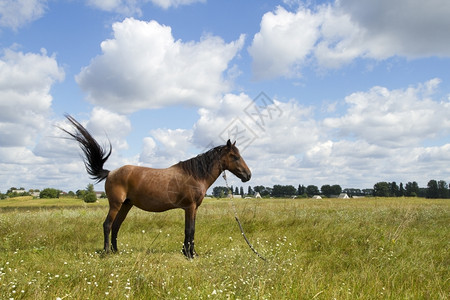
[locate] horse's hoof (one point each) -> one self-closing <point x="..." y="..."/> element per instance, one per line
<point x="188" y="255"/>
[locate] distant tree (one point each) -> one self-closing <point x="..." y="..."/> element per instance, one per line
<point x="220" y="191"/>
<point x="241" y="191"/>
<point x="443" y="192"/>
<point x="258" y="188"/>
<point x="312" y="190"/>
<point x="236" y="191"/>
<point x="250" y="192"/>
<point x="90" y="196"/>
<point x="283" y="190"/>
<point x="381" y="189"/>
<point x="49" y="193"/>
<point x="336" y="189"/>
<point x="367" y="192"/>
<point x="71" y="194"/>
<point x="432" y="189"/>
<point x="412" y="189"/>
<point x="393" y="189"/>
<point x="301" y="190"/>
<point x="329" y="190"/>
<point x="80" y="193"/>
<point x="326" y="190"/>
<point x="262" y="190"/>
<point x="401" y="191"/>
<point x="353" y="192"/>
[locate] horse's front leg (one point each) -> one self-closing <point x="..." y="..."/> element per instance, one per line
<point x="189" y="232"/>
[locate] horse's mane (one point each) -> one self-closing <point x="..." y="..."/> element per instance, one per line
<point x="200" y="167"/>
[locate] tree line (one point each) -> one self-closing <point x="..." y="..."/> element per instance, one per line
<point x="87" y="195"/>
<point x="434" y="189"/>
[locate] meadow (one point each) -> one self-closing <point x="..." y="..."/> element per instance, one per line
<point x="372" y="248"/>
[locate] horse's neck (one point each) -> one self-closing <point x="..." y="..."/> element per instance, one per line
<point x="215" y="173"/>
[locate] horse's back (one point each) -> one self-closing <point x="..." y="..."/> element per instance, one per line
<point x="146" y="188"/>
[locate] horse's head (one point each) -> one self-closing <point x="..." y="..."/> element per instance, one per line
<point x="232" y="161"/>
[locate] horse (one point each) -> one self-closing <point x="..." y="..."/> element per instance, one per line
<point x="182" y="185"/>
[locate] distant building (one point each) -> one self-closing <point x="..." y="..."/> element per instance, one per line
<point x="19" y="192"/>
<point x="99" y="194"/>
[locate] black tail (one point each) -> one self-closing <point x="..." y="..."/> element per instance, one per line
<point x="94" y="155"/>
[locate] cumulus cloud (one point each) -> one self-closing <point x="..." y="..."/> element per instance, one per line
<point x="157" y="70"/>
<point x="165" y="147"/>
<point x="25" y="100"/>
<point x="284" y="42"/>
<point x="25" y="105"/>
<point x="255" y="124"/>
<point x="106" y="124"/>
<point x="383" y="135"/>
<point x="396" y="118"/>
<point x="63" y="156"/>
<point x="333" y="35"/>
<point x="270" y="135"/>
<point x="17" y="13"/>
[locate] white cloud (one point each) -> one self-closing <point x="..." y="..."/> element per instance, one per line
<point x="120" y="6"/>
<point x="271" y="150"/>
<point x="381" y="136"/>
<point x="133" y="7"/>
<point x="25" y="100"/>
<point x="25" y="105"/>
<point x="17" y="13"/>
<point x="284" y="42"/>
<point x="174" y="3"/>
<point x="166" y="147"/>
<point x="157" y="70"/>
<point x="115" y="127"/>
<point x="210" y="127"/>
<point x="236" y="117"/>
<point x="63" y="157"/>
<point x="335" y="34"/>
<point x="395" y="118"/>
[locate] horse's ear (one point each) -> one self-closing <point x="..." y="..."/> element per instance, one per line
<point x="229" y="144"/>
<point x="234" y="143"/>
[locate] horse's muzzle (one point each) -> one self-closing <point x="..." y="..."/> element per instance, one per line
<point x="246" y="177"/>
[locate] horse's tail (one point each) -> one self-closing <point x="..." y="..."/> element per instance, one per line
<point x="94" y="155"/>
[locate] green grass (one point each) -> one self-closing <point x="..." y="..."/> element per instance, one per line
<point x="371" y="248"/>
<point x="30" y="203"/>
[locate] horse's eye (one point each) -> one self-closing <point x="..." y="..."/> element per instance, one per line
<point x="235" y="157"/>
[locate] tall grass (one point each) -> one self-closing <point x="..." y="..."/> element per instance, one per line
<point x="315" y="249"/>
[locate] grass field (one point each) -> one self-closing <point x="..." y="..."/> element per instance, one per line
<point x="370" y="248"/>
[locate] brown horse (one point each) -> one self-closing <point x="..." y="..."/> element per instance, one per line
<point x="182" y="185"/>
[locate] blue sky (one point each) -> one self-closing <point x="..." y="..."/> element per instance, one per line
<point x="354" y="92"/>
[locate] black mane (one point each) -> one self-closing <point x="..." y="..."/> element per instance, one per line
<point x="200" y="167"/>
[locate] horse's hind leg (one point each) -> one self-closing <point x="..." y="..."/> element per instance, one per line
<point x="107" y="226"/>
<point x="124" y="209"/>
